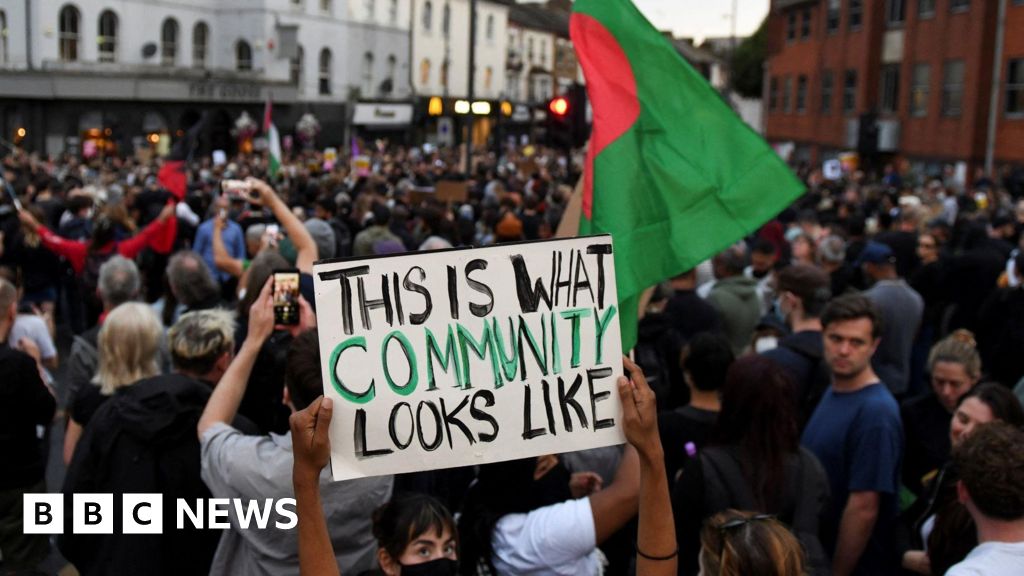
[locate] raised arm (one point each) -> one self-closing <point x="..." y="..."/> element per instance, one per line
<point x="312" y="450"/>
<point x="223" y="404"/>
<point x="221" y="258"/>
<point x="305" y="247"/>
<point x="656" y="552"/>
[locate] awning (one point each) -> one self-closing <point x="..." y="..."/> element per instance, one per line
<point x="382" y="114"/>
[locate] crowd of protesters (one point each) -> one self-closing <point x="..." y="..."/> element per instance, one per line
<point x="832" y="395"/>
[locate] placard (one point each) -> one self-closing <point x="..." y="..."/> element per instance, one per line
<point x="469" y="356"/>
<point x="451" y="191"/>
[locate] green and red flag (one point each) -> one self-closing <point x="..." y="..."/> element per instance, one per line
<point x="671" y="172"/>
<point x="273" y="142"/>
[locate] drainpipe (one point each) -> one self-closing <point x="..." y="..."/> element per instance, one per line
<point x="993" y="105"/>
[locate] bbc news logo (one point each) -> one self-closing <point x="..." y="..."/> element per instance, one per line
<point x="144" y="513"/>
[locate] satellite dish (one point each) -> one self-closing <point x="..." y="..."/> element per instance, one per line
<point x="148" y="50"/>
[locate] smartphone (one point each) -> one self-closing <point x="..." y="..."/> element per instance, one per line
<point x="272" y="232"/>
<point x="237" y="188"/>
<point x="286" y="297"/>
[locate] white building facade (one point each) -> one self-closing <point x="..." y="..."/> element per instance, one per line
<point x="132" y="67"/>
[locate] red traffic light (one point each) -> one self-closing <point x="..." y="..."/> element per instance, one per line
<point x="559" y="106"/>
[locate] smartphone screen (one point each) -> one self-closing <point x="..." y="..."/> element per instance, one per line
<point x="286" y="297"/>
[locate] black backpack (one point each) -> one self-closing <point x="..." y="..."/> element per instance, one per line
<point x="90" y="277"/>
<point x="802" y="506"/>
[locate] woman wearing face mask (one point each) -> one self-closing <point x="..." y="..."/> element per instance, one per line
<point x="954" y="366"/>
<point x="937" y="531"/>
<point x="416" y="536"/>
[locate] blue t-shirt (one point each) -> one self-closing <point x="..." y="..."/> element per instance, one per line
<point x="858" y="438"/>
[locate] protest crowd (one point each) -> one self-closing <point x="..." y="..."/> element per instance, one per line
<point x="837" y="393"/>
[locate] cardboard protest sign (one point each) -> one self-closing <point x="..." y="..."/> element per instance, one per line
<point x="451" y="191"/>
<point x="469" y="356"/>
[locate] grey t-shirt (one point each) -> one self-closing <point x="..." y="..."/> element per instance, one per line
<point x="901" y="307"/>
<point x="259" y="467"/>
<point x="34" y="328"/>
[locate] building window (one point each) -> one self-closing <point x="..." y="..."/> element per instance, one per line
<point x="169" y="42"/>
<point x="488" y="77"/>
<point x="243" y="56"/>
<point x="325" y="72"/>
<point x="850" y="91"/>
<point x="200" y="39"/>
<point x="791" y="26"/>
<point x="925" y="8"/>
<point x="326" y="5"/>
<point x="787" y="89"/>
<point x="919" y="89"/>
<point x="1015" y="87"/>
<point x="529" y="50"/>
<point x="393" y="12"/>
<point x="489" y="29"/>
<point x="894" y="13"/>
<point x="543" y="53"/>
<point x="855" y="14"/>
<point x="69" y="36"/>
<point x="826" y="92"/>
<point x="805" y="24"/>
<point x="832" y="12"/>
<point x="3" y="37"/>
<point x="773" y="94"/>
<point x="801" y="94"/>
<point x="890" y="88"/>
<point x="296" y="67"/>
<point x="368" y="90"/>
<point x="444" y="76"/>
<point x="952" y="87"/>
<point x="425" y="72"/>
<point x="371" y="10"/>
<point x="390" y="78"/>
<point x="959" y="5"/>
<point x="428" y="15"/>
<point x="446" y="20"/>
<point x="107" y="38"/>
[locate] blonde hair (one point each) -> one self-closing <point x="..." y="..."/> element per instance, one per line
<point x="129" y="343"/>
<point x="735" y="543"/>
<point x="199" y="338"/>
<point x="957" y="348"/>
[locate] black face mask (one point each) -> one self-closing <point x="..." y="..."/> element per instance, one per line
<point x="439" y="567"/>
<point x="552" y="488"/>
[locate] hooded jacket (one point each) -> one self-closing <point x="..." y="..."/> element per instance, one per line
<point x="737" y="303"/>
<point x="143" y="440"/>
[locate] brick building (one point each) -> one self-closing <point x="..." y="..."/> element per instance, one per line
<point x="919" y="71"/>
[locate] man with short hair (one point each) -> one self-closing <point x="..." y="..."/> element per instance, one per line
<point x="763" y="258"/>
<point x="378" y="231"/>
<point x="803" y="292"/>
<point x="25" y="404"/>
<point x="735" y="297"/>
<point x="232" y="236"/>
<point x="991" y="486"/>
<point x="902" y="309"/>
<point x="856" y="434"/>
<point x="192" y="283"/>
<point x="143" y="440"/>
<point x="235" y="465"/>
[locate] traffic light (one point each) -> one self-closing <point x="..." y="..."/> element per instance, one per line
<point x="559" y="107"/>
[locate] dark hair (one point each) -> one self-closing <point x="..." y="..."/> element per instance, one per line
<point x="191" y="280"/>
<point x="759" y="414"/>
<point x="762" y="246"/>
<point x="1003" y="403"/>
<point x="991" y="466"/>
<point x="852" y="307"/>
<point x="302" y="375"/>
<point x="262" y="266"/>
<point x="407" y="516"/>
<point x="732" y="260"/>
<point x="708" y="357"/>
<point x="327" y="203"/>
<point x="810" y="284"/>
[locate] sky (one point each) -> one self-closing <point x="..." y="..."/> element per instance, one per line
<point x="703" y="18"/>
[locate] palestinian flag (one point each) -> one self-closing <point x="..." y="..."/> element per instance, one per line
<point x="273" y="142"/>
<point x="671" y="172"/>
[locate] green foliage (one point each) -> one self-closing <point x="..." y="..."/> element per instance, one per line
<point x="748" y="63"/>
